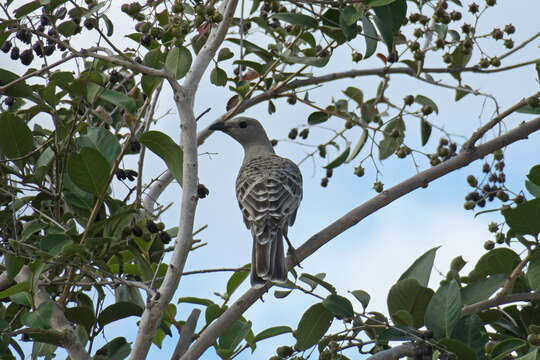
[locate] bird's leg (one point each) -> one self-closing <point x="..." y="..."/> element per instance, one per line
<point x="292" y="251"/>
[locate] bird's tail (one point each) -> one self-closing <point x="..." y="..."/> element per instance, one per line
<point x="268" y="257"/>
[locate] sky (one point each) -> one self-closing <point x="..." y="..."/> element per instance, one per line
<point x="373" y="254"/>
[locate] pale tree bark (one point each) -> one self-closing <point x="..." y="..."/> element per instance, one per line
<point x="353" y="217"/>
<point x="184" y="96"/>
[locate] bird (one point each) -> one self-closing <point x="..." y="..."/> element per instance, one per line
<point x="269" y="191"/>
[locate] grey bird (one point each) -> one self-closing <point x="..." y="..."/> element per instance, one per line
<point x="269" y="191"/>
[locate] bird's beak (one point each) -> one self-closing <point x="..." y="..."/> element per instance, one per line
<point x="221" y="126"/>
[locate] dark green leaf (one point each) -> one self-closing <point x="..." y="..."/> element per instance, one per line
<point x="232" y="337"/>
<point x="119" y="99"/>
<point x="116" y="349"/>
<point x="459" y="348"/>
<point x="81" y="315"/>
<point x="15" y="138"/>
<point x="154" y="58"/>
<point x="460" y="58"/>
<point x="218" y="77"/>
<point x="317" y="117"/>
<point x="108" y="24"/>
<point x="13" y="265"/>
<point x="505" y="347"/>
<point x="403" y="317"/>
<point x="388" y="146"/>
<point x="296" y="19"/>
<point x="15" y="289"/>
<point x="53" y="243"/>
<point x="444" y="310"/>
<point x="441" y="30"/>
<point x="339" y="160"/>
<point x="252" y="65"/>
<point x="538" y="69"/>
<point x="163" y="146"/>
<point x="252" y="48"/>
<point x="178" y="61"/>
<point x="497" y="261"/>
<point x="195" y="300"/>
<point x="523" y="219"/>
<point x="533" y="271"/>
<point x="235" y="280"/>
<point x="89" y="170"/>
<point x="27" y="8"/>
<point x="460" y="94"/>
<point x="41" y="317"/>
<point x="359" y="145"/>
<point x="339" y="306"/>
<point x="149" y="84"/>
<point x="385" y="24"/>
<point x="317" y="279"/>
<point x="67" y="28"/>
<point x="532" y="188"/>
<point x="313" y="325"/>
<point x="420" y="270"/>
<point x="361" y="296"/>
<point x="21" y="89"/>
<point x="212" y="312"/>
<point x="118" y="311"/>
<point x="371" y="37"/>
<point x="425" y="131"/>
<point x="314" y="61"/>
<point x="350" y="30"/>
<point x="280" y="294"/>
<point x="527" y="109"/>
<point x="531" y="355"/>
<point x="102" y="140"/>
<point x="470" y="330"/>
<point x="482" y="289"/>
<point x="424" y="100"/>
<point x="375" y="3"/>
<point x="409" y="295"/>
<point x="271" y="332"/>
<point x="534" y="175"/>
<point x="225" y="54"/>
<point x="355" y="94"/>
<point x="351" y="15"/>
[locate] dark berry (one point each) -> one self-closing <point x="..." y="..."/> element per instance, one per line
<point x="408" y="100"/>
<point x="120" y="174"/>
<point x="165" y="237"/>
<point x="6" y="47"/>
<point x="471" y="180"/>
<point x="324" y="182"/>
<point x="378" y="186"/>
<point x="293" y="133"/>
<point x="486" y="168"/>
<point x="491" y="2"/>
<point x="9" y="101"/>
<point x="466" y="28"/>
<point x="135" y="146"/>
<point x="455" y="15"/>
<point x="27" y="57"/>
<point x="202" y="191"/>
<point x="329" y="173"/>
<point x="497" y="34"/>
<point x="359" y="171"/>
<point x="473" y="8"/>
<point x="304" y="133"/>
<point x="15" y="53"/>
<point x="488" y="245"/>
<point x="136" y="230"/>
<point x="509" y="29"/>
<point x="131" y="174"/>
<point x="274" y="142"/>
<point x="393" y="57"/>
<point x="495" y="62"/>
<point x="427" y="109"/>
<point x="49" y="50"/>
<point x="509" y="43"/>
<point x="152" y="227"/>
<point x="291" y="99"/>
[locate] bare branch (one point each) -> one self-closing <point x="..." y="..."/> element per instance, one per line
<point x="397" y="352"/>
<point x="353" y="217"/>
<point x="499" y="300"/>
<point x="187" y="334"/>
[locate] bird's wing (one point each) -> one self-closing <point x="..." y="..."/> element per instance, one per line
<point x="269" y="191"/>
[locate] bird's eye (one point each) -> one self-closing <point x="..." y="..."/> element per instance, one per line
<point x="242" y="124"/>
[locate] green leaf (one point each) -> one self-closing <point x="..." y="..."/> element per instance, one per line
<point x="531" y="355"/>
<point x="154" y="58"/>
<point x="470" y="330"/>
<point x="218" y="77"/>
<point x="339" y="306"/>
<point x="505" y="347"/>
<point x="385" y="24"/>
<point x="67" y="28"/>
<point x="108" y="24"/>
<point x="13" y="264"/>
<point x="425" y="131"/>
<point x="314" y="280"/>
<point x="527" y="109"/>
<point x="27" y="9"/>
<point x="523" y="219"/>
<point x="280" y="294"/>
<point x="41" y="317"/>
<point x="252" y="48"/>
<point x="232" y="337"/>
<point x="424" y="100"/>
<point x="370" y="35"/>
<point x="339" y="160"/>
<point x="15" y="138"/>
<point x="312" y="326"/>
<point x="317" y="117"/>
<point x="460" y="58"/>
<point x="460" y="94"/>
<point x="53" y="243"/>
<point x="89" y="170"/>
<point x="534" y="175"/>
<point x="296" y="19"/>
<point x="164" y="147"/>
<point x="532" y="188"/>
<point x="271" y="332"/>
<point x="496" y="261"/>
<point x="81" y="315"/>
<point x="116" y="349"/>
<point x="102" y="140"/>
<point x="403" y="317"/>
<point x="225" y="54"/>
<point x="409" y="295"/>
<point x="236" y="280"/>
<point x="420" y="270"/>
<point x="533" y="271"/>
<point x="195" y="300"/>
<point x="351" y="15"/>
<point x="149" y="84"/>
<point x="359" y="145"/>
<point x="355" y="94"/>
<point x="252" y="65"/>
<point x="444" y="310"/>
<point x="21" y="89"/>
<point x="482" y="289"/>
<point x="120" y="310"/>
<point x="457" y="347"/>
<point x="375" y="3"/>
<point x="178" y="61"/>
<point x="122" y="100"/>
<point x="314" y="61"/>
<point x="361" y="296"/>
<point x="15" y="289"/>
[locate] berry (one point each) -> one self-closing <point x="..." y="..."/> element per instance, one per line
<point x="473" y="8"/>
<point x="497" y="34"/>
<point x="427" y="109"/>
<point x="359" y="171"/>
<point x="469" y="205"/>
<point x="135" y="146"/>
<point x="471" y="180"/>
<point x="15" y="53"/>
<point x="329" y="172"/>
<point x="498" y="155"/>
<point x="291" y="99"/>
<point x="27" y="57"/>
<point x="136" y="230"/>
<point x="493" y="227"/>
<point x="499" y="238"/>
<point x="519" y="199"/>
<point x="491" y="2"/>
<point x="284" y="351"/>
<point x="9" y="101"/>
<point x="293" y="133"/>
<point x="146" y="40"/>
<point x="304" y="133"/>
<point x="509" y="43"/>
<point x="488" y="245"/>
<point x="486" y="168"/>
<point x="415" y="45"/>
<point x="356" y="57"/>
<point x="434" y="161"/>
<point x="509" y="29"/>
<point x="418" y="32"/>
<point x="414" y="17"/>
<point x="484" y="63"/>
<point x="120" y="174"/>
<point x="131" y="174"/>
<point x="6" y="47"/>
<point x="378" y="186"/>
<point x="152" y="227"/>
<point x="455" y="15"/>
<point x="393" y="57"/>
<point x="408" y="100"/>
<point x="466" y="28"/>
<point x="495" y="61"/>
<point x="274" y="142"/>
<point x="165" y="237"/>
<point x="447" y="58"/>
<point x="324" y="182"/>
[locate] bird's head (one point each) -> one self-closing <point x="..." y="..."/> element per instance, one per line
<point x="243" y="129"/>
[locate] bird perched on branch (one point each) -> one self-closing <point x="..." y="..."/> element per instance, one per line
<point x="269" y="191"/>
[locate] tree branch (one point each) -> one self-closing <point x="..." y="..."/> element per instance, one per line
<point x="499" y="300"/>
<point x="397" y="352"/>
<point x="186" y="335"/>
<point x="353" y="217"/>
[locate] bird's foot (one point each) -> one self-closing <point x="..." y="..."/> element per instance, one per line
<point x="292" y="251"/>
